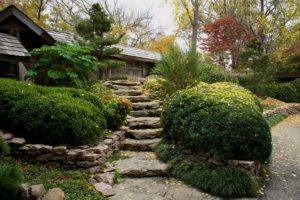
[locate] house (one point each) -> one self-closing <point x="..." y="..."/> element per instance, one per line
<point x="19" y="35"/>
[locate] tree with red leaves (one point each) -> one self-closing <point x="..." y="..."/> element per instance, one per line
<point x="225" y="34"/>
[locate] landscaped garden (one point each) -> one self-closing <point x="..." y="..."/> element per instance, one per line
<point x="95" y="119"/>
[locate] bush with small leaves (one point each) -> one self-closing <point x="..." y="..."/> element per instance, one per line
<point x="222" y="119"/>
<point x="11" y="177"/>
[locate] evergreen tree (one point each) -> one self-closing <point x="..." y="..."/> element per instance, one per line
<point x="95" y="30"/>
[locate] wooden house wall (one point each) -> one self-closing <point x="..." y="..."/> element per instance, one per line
<point x="133" y="69"/>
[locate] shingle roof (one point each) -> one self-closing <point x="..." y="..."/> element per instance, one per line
<point x="62" y="36"/>
<point x="10" y="45"/>
<point x="138" y="53"/>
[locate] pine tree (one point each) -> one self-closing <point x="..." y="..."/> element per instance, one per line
<point x="95" y="30"/>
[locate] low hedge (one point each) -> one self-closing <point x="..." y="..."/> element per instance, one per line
<point x="222" y="118"/>
<point x="51" y="115"/>
<point x="288" y="92"/>
<point x="225" y="182"/>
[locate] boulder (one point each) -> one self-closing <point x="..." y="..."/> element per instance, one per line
<point x="37" y="191"/>
<point x="54" y="194"/>
<point x="104" y="189"/>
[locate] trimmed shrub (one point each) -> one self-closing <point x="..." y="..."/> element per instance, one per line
<point x="11" y="177"/>
<point x="223" y="119"/>
<point x="225" y="182"/>
<point x="115" y="112"/>
<point x="4" y="148"/>
<point x="51" y="115"/>
<point x="153" y="86"/>
<point x="115" y="109"/>
<point x="213" y="73"/>
<point x="57" y="119"/>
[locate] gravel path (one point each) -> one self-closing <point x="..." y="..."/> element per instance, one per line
<point x="284" y="181"/>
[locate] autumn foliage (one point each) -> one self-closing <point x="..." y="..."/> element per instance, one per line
<point x="225" y="34"/>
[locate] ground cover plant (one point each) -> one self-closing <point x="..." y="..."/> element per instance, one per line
<point x="51" y="115"/>
<point x="11" y="175"/>
<point x="225" y="182"/>
<point x="74" y="183"/>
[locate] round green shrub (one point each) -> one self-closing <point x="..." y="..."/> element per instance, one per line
<point x="115" y="112"/>
<point x="11" y="177"/>
<point x="51" y="115"/>
<point x="57" y="119"/>
<point x="223" y="119"/>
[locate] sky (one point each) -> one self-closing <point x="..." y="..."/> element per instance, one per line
<point x="162" y="12"/>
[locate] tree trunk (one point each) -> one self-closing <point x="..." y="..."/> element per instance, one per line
<point x="195" y="25"/>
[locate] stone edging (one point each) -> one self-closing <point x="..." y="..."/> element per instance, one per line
<point x="88" y="158"/>
<point x="289" y="109"/>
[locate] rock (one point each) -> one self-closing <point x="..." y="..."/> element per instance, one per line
<point x="25" y="191"/>
<point x="139" y="167"/>
<point x="145" y="133"/>
<point x="37" y="191"/>
<point x="107" y="178"/>
<point x="6" y="136"/>
<point x="232" y="162"/>
<point x="143" y="122"/>
<point x="128" y="92"/>
<point x="93" y="170"/>
<point x="104" y="189"/>
<point x="216" y="161"/>
<point x="108" y="141"/>
<point x="146" y="105"/>
<point x="145" y="113"/>
<point x="121" y="133"/>
<point x="72" y="155"/>
<point x="54" y="194"/>
<point x="17" y="141"/>
<point x="101" y="148"/>
<point x="90" y="157"/>
<point x="249" y="165"/>
<point x="140" y="98"/>
<point x="92" y="181"/>
<point x="140" y="145"/>
<point x="124" y="83"/>
<point x="59" y="149"/>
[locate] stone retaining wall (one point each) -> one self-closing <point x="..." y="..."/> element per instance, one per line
<point x="289" y="109"/>
<point x="254" y="167"/>
<point x="87" y="158"/>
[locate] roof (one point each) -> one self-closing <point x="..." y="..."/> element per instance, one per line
<point x="62" y="36"/>
<point x="11" y="46"/>
<point x="139" y="54"/>
<point x="14" y="11"/>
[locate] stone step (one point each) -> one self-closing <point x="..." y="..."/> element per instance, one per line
<point x="139" y="98"/>
<point x="138" y="167"/>
<point x="128" y="92"/>
<point x="143" y="122"/>
<point x="124" y="83"/>
<point x="146" y="105"/>
<point x="146" y="155"/>
<point x="145" y="113"/>
<point x="145" y="133"/>
<point x="140" y="145"/>
<point x="121" y="87"/>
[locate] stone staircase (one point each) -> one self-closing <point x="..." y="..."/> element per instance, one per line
<point x="143" y="132"/>
<point x="143" y="176"/>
